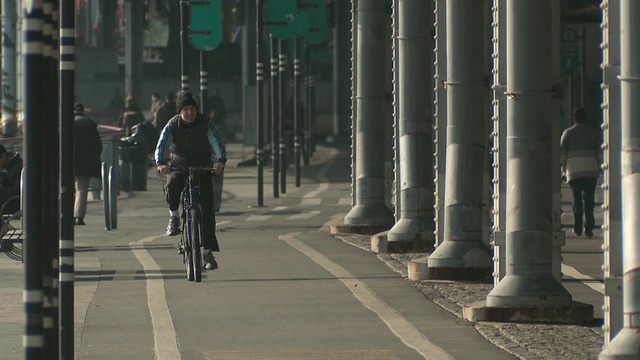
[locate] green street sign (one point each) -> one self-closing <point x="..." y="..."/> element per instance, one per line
<point x="283" y="19"/>
<point x="205" y="30"/>
<point x="319" y="30"/>
<point x="569" y="52"/>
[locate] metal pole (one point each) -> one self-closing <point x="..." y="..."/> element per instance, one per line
<point x="370" y="207"/>
<point x="107" y="193"/>
<point x="341" y="69"/>
<point x="9" y="68"/>
<point x="354" y="92"/>
<point x="275" y="140"/>
<point x="113" y="198"/>
<point x="33" y="174"/>
<point x="282" y="62"/>
<point x="184" y="44"/>
<point x="625" y="344"/>
<point x="612" y="223"/>
<point x="296" y="128"/>
<point x="307" y="104"/>
<point x="133" y="48"/>
<point x="67" y="178"/>
<point x="529" y="281"/>
<point x="415" y="127"/>
<point x="463" y="254"/>
<point x="583" y="67"/>
<point x="498" y="135"/>
<point x="49" y="202"/>
<point x="203" y="84"/>
<point x="440" y="115"/>
<point x="259" y="102"/>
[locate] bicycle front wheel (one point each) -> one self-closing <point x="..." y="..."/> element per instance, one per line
<point x="186" y="245"/>
<point x="196" y="254"/>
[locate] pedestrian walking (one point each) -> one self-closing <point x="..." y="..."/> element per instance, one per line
<point x="579" y="156"/>
<point x="87" y="159"/>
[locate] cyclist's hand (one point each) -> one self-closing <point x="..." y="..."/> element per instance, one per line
<point x="163" y="169"/>
<point x="218" y="168"/>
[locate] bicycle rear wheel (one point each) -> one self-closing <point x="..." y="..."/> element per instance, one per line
<point x="196" y="254"/>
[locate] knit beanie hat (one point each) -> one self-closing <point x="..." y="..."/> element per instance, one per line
<point x="184" y="99"/>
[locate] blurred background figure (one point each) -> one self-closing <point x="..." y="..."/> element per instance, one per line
<point x="88" y="152"/>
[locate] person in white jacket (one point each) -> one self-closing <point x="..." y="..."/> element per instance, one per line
<point x="580" y="159"/>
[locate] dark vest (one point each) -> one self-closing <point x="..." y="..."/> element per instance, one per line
<point x="190" y="146"/>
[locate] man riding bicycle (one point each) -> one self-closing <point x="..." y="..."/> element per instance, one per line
<point x="191" y="138"/>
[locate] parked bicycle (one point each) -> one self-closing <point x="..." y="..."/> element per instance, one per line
<point x="191" y="226"/>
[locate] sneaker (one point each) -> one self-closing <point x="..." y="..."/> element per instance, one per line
<point x="208" y="261"/>
<point x="588" y="233"/>
<point x="174" y="226"/>
<point x="78" y="221"/>
<point x="577" y="233"/>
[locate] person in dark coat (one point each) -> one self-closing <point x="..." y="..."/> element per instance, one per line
<point x="10" y="172"/>
<point x="88" y="151"/>
<point x="165" y="112"/>
<point x="131" y="116"/>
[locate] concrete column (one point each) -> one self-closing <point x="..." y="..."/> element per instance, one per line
<point x="463" y="254"/>
<point x="529" y="223"/>
<point x="415" y="127"/>
<point x="611" y="226"/>
<point x="370" y="207"/>
<point x="9" y="90"/>
<point x="625" y="343"/>
<point x="559" y="238"/>
<point x="440" y="115"/>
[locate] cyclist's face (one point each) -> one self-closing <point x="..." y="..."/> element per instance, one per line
<point x="188" y="113"/>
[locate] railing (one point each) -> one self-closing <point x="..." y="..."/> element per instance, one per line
<point x="110" y="136"/>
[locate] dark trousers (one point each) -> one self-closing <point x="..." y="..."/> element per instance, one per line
<point x="583" y="190"/>
<point x="173" y="190"/>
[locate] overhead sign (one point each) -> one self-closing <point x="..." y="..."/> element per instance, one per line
<point x="319" y="29"/>
<point x="283" y="19"/>
<point x="205" y="30"/>
<point x="569" y="52"/>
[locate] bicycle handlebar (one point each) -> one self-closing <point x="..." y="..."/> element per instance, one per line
<point x="194" y="168"/>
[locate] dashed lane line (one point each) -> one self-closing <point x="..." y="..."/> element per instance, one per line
<point x="307" y="215"/>
<point x="258" y="217"/>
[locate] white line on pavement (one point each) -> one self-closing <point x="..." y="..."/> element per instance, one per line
<point x="310" y="201"/>
<point x="324" y="184"/>
<point x="306" y="215"/>
<point x="398" y="324"/>
<point x="258" y="218"/>
<point x="595" y="284"/>
<point x="164" y="333"/>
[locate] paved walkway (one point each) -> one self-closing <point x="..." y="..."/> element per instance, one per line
<point x="284" y="290"/>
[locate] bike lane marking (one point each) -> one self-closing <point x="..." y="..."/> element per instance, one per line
<point x="164" y="332"/>
<point x="398" y="324"/>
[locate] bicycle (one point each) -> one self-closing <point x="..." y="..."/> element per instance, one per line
<point x="190" y="240"/>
